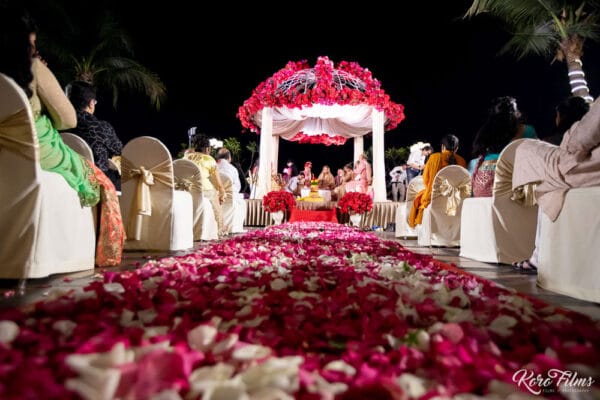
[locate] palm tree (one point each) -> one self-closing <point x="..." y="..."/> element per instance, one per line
<point x="555" y="28"/>
<point x="99" y="52"/>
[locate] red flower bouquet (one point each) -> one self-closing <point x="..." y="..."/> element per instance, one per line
<point x="355" y="203"/>
<point x="279" y="200"/>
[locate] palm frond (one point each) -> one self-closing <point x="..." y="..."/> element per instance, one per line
<point x="112" y="38"/>
<point x="585" y="30"/>
<point x="121" y="72"/>
<point x="540" y="40"/>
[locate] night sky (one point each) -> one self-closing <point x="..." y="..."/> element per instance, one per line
<point x="443" y="69"/>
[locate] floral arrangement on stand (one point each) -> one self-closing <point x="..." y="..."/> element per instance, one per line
<point x="355" y="203"/>
<point x="279" y="200"/>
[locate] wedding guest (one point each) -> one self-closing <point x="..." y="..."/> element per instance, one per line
<point x="295" y="185"/>
<point x="416" y="162"/>
<point x="326" y="179"/>
<point x="398" y="175"/>
<point x="501" y="126"/>
<point x="339" y="177"/>
<point x="52" y="111"/>
<point x="556" y="169"/>
<point x="289" y="171"/>
<point x="100" y="135"/>
<point x="435" y="163"/>
<point x="361" y="175"/>
<point x="340" y="190"/>
<point x="569" y="111"/>
<point x="524" y="131"/>
<point x="212" y="187"/>
<point x="224" y="165"/>
<point x="308" y="175"/>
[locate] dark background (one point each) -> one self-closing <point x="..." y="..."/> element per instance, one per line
<point x="443" y="69"/>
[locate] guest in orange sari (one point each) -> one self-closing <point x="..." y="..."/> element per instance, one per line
<point x="436" y="162"/>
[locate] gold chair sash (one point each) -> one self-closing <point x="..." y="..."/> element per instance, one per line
<point x="523" y="195"/>
<point x="455" y="194"/>
<point x="190" y="184"/>
<point x="17" y="135"/>
<point x="142" y="202"/>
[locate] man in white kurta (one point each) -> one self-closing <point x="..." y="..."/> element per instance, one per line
<point x="236" y="216"/>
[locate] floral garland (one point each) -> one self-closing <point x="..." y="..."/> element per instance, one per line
<point x="279" y="200"/>
<point x="355" y="202"/>
<point x="325" y="90"/>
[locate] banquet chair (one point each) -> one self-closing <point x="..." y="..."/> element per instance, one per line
<point x="498" y="229"/>
<point x="155" y="215"/>
<point x="403" y="210"/>
<point x="187" y="177"/>
<point x="441" y="219"/>
<point x="233" y="207"/>
<point x="45" y="230"/>
<point x="78" y="144"/>
<point x="569" y="248"/>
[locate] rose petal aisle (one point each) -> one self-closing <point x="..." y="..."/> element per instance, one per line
<point x="307" y="311"/>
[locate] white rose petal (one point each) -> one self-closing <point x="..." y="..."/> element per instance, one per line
<point x="8" y="331"/>
<point x="412" y="385"/>
<point x="278" y="284"/>
<point x="251" y="352"/>
<point x="230" y="390"/>
<point x="114" y="288"/>
<point x="166" y="395"/>
<point x="202" y="337"/>
<point x="341" y="366"/>
<point x="204" y="378"/>
<point x="502" y="325"/>
<point x="64" y="326"/>
<point x="225" y="344"/>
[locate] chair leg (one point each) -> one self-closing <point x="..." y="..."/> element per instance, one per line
<point x="21" y="286"/>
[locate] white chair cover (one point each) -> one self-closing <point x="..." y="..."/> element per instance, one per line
<point x="402" y="229"/>
<point x="441" y="219"/>
<point x="78" y="144"/>
<point x="498" y="229"/>
<point x="569" y="248"/>
<point x="155" y="215"/>
<point x="187" y="177"/>
<point x="45" y="230"/>
<point x="233" y="207"/>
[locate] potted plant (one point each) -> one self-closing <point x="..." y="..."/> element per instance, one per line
<point x="277" y="202"/>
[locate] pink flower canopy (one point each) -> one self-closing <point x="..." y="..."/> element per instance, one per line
<point x="324" y="104"/>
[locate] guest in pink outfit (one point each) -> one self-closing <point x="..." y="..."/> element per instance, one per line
<point x="362" y="176"/>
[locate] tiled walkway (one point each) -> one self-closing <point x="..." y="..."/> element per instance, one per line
<point x="502" y="274"/>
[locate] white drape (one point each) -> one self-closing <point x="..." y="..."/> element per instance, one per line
<point x="337" y="120"/>
<point x="379" y="191"/>
<point x="350" y="121"/>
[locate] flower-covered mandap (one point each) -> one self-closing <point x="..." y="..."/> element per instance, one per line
<point x="325" y="104"/>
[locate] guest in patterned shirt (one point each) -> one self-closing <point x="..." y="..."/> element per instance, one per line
<point x="100" y="135"/>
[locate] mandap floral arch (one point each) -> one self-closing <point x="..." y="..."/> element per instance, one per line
<point x="324" y="104"/>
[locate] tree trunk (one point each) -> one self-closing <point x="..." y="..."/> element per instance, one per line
<point x="572" y="50"/>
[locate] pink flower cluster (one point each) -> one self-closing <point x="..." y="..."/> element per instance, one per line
<point x="308" y="311"/>
<point x="325" y="90"/>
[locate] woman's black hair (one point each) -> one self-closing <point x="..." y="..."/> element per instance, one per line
<point x="500" y="127"/>
<point x="200" y="142"/>
<point x="571" y="110"/>
<point x="15" y="48"/>
<point x="450" y="142"/>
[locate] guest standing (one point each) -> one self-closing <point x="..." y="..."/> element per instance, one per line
<point x="398" y="175"/>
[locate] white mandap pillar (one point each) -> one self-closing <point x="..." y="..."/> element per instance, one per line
<point x="359" y="148"/>
<point x="379" y="191"/>
<point x="265" y="153"/>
